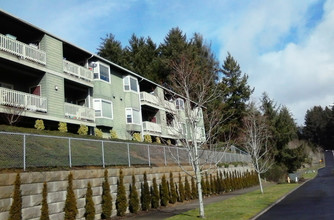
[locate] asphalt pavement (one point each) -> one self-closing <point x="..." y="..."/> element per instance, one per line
<point x="313" y="200"/>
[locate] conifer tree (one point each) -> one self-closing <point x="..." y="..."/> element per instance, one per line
<point x="173" y="194"/>
<point x="181" y="190"/>
<point x="187" y="190"/>
<point x="207" y="184"/>
<point x="145" y="195"/>
<point x="134" y="199"/>
<point x="70" y="208"/>
<point x="15" y="212"/>
<point x="155" y="194"/>
<point x="45" y="206"/>
<point x="194" y="191"/>
<point x="121" y="202"/>
<point x="106" y="197"/>
<point x="164" y="195"/>
<point x="205" y="192"/>
<point x="89" y="206"/>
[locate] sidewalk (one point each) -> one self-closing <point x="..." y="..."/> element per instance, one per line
<point x="177" y="208"/>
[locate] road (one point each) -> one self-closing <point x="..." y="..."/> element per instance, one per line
<point x="313" y="200"/>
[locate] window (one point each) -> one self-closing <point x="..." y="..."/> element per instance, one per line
<point x="102" y="72"/>
<point x="179" y="103"/>
<point x="103" y="108"/>
<point x="183" y="128"/>
<point x="130" y="84"/>
<point x="132" y="116"/>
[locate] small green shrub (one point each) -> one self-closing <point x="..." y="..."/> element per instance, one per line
<point x="70" y="207"/>
<point x="98" y="133"/>
<point x="62" y="127"/>
<point x="45" y="206"/>
<point x="164" y="195"/>
<point x="83" y="130"/>
<point x="113" y="134"/>
<point x="106" y="197"/>
<point x="187" y="190"/>
<point x="173" y="194"/>
<point x="145" y="195"/>
<point x="89" y="206"/>
<point x="157" y="140"/>
<point x="39" y="124"/>
<point x="181" y="190"/>
<point x="136" y="137"/>
<point x="169" y="142"/>
<point x="155" y="197"/>
<point x="147" y="138"/>
<point x="15" y="211"/>
<point x="134" y="199"/>
<point x="121" y="202"/>
<point x="194" y="192"/>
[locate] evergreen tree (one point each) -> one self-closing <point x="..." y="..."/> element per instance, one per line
<point x="194" y="191"/>
<point x="15" y="211"/>
<point x="155" y="194"/>
<point x="164" y="194"/>
<point x="145" y="195"/>
<point x="89" y="206"/>
<point x="207" y="184"/>
<point x="134" y="199"/>
<point x="45" y="206"/>
<point x="111" y="49"/>
<point x="121" y="202"/>
<point x="70" y="208"/>
<point x="173" y="194"/>
<point x="187" y="189"/>
<point x="181" y="189"/>
<point x="106" y="198"/>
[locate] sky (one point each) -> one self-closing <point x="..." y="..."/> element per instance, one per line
<point x="285" y="47"/>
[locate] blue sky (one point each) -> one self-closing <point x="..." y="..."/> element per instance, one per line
<point x="286" y="47"/>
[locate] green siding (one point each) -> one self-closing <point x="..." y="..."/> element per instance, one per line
<point x="54" y="51"/>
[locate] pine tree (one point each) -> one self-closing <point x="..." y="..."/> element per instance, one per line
<point x="89" y="206"/>
<point x="187" y="193"/>
<point x="194" y="191"/>
<point x="134" y="199"/>
<point x="45" y="206"/>
<point x="145" y="195"/>
<point x="121" y="202"/>
<point x="15" y="212"/>
<point x="204" y="191"/>
<point x="70" y="208"/>
<point x="164" y="195"/>
<point x="173" y="194"/>
<point x="181" y="190"/>
<point x="155" y="194"/>
<point x="106" y="197"/>
<point x="207" y="184"/>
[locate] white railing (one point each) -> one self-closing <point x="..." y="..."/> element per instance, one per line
<point x="169" y="105"/>
<point x="77" y="70"/>
<point x="22" y="50"/>
<point x="173" y="131"/>
<point x="9" y="97"/>
<point x="151" y="127"/>
<point x="79" y="112"/>
<point x="147" y="97"/>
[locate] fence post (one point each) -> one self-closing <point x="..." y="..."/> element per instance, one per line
<point x="69" y="152"/>
<point x="24" y="152"/>
<point x="129" y="155"/>
<point x="148" y="155"/>
<point x="103" y="163"/>
<point x="165" y="156"/>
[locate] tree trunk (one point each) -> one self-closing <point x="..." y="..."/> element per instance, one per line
<point x="260" y="182"/>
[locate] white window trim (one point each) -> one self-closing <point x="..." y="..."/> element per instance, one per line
<point x="100" y="101"/>
<point x="131" y="109"/>
<point x="97" y="71"/>
<point x="178" y="100"/>
<point x="130" y="90"/>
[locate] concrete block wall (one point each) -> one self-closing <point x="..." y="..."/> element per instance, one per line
<point x="57" y="181"/>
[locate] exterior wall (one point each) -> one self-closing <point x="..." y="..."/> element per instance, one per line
<point x="54" y="53"/>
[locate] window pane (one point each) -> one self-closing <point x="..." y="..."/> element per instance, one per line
<point x="128" y="113"/>
<point x="106" y="109"/>
<point x="136" y="116"/>
<point x="97" y="113"/>
<point x="133" y="84"/>
<point x="126" y="83"/>
<point x="104" y="73"/>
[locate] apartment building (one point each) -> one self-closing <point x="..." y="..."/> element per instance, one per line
<point x="51" y="79"/>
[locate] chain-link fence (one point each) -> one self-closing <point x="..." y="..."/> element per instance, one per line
<point x="19" y="150"/>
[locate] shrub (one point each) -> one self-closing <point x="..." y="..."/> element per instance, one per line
<point x="136" y="137"/>
<point x="155" y="198"/>
<point x="194" y="192"/>
<point x="89" y="207"/>
<point x="45" y="206"/>
<point x="98" y="133"/>
<point x="70" y="207"/>
<point x="145" y="195"/>
<point x="169" y="142"/>
<point x="39" y="124"/>
<point x="133" y="200"/>
<point x="147" y="138"/>
<point x="277" y="173"/>
<point x="187" y="190"/>
<point x="157" y="140"/>
<point x="106" y="197"/>
<point x="181" y="189"/>
<point x="62" y="127"/>
<point x="113" y="134"/>
<point x="15" y="211"/>
<point x="164" y="195"/>
<point x="83" y="130"/>
<point x="121" y="203"/>
<point x="173" y="194"/>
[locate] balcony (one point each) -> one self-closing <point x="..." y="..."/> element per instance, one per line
<point x="79" y="112"/>
<point x="26" y="101"/>
<point x="169" y="105"/>
<point x="151" y="127"/>
<point x="173" y="131"/>
<point x="22" y="50"/>
<point x="149" y="98"/>
<point x="77" y="71"/>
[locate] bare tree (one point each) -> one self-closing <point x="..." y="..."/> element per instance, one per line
<point x="197" y="87"/>
<point x="255" y="139"/>
<point x="12" y="113"/>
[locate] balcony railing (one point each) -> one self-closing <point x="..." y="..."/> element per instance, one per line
<point x="151" y="127"/>
<point x="79" y="112"/>
<point x="147" y="97"/>
<point x="22" y="50"/>
<point x="173" y="131"/>
<point x="169" y="105"/>
<point x="77" y="70"/>
<point x="26" y="101"/>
